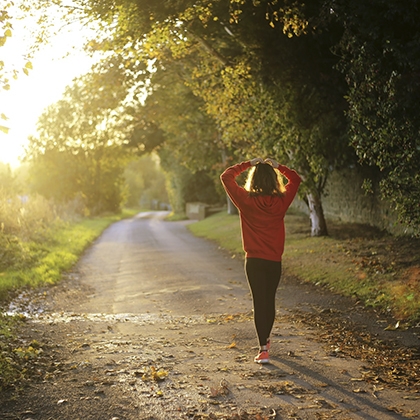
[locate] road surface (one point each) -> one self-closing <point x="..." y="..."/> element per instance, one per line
<point x="154" y="323"/>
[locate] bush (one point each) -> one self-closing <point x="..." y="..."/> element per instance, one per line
<point x="14" y="253"/>
<point x="24" y="216"/>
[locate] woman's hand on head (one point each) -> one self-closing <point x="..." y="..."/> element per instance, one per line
<point x="255" y="161"/>
<point x="272" y="162"/>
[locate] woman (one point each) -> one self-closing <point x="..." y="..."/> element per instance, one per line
<point x="262" y="205"/>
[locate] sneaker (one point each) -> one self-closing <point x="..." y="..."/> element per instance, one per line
<point x="262" y="357"/>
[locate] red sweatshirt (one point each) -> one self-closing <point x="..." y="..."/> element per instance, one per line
<point x="262" y="217"/>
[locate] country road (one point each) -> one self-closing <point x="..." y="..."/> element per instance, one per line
<point x="146" y="265"/>
<point x="154" y="323"/>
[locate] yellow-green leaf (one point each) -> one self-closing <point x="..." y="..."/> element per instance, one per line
<point x="28" y="65"/>
<point x="4" y="129"/>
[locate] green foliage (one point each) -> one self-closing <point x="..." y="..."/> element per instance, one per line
<point x="39" y="240"/>
<point x="11" y="70"/>
<point x="177" y="176"/>
<point x="248" y="78"/>
<point x="13" y="253"/>
<point x="185" y="186"/>
<point x="7" y="181"/>
<point x="266" y="92"/>
<point x="173" y="110"/>
<point x="381" y="49"/>
<point x="145" y="182"/>
<point x="172" y="122"/>
<point x="78" y="152"/>
<point x="25" y="216"/>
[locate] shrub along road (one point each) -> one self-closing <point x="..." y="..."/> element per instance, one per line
<point x="154" y="323"/>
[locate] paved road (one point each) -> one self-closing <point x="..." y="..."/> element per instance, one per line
<point x="149" y="295"/>
<point x="146" y="265"/>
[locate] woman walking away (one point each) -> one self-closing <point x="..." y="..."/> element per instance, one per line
<point x="262" y="205"/>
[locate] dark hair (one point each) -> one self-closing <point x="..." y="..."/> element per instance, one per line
<point x="263" y="179"/>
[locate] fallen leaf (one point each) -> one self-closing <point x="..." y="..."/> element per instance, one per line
<point x="153" y="374"/>
<point x="392" y="327"/>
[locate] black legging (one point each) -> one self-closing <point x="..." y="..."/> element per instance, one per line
<point x="263" y="279"/>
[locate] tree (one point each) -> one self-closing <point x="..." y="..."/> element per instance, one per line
<point x="8" y="187"/>
<point x="145" y="182"/>
<point x="9" y="71"/>
<point x="80" y="142"/>
<point x="290" y="107"/>
<point x="380" y="50"/>
<point x="273" y="93"/>
<point x="279" y="95"/>
<point x="172" y="123"/>
<point x="269" y="81"/>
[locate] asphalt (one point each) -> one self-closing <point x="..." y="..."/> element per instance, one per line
<point x="149" y="297"/>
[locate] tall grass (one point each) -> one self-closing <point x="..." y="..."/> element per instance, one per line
<point x="25" y="216"/>
<point x="23" y="221"/>
<point x="39" y="241"/>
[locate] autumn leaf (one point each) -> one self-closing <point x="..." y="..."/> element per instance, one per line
<point x="392" y="327"/>
<point x="154" y="374"/>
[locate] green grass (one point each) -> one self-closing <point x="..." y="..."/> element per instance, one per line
<point x="59" y="250"/>
<point x="346" y="262"/>
<point x="175" y="217"/>
<point x="222" y="228"/>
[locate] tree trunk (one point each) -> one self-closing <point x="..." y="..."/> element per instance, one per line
<point x="316" y="215"/>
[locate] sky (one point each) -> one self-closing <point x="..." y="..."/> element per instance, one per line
<point x="54" y="67"/>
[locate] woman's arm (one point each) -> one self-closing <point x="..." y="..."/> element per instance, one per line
<point x="233" y="190"/>
<point x="293" y="183"/>
<point x="293" y="179"/>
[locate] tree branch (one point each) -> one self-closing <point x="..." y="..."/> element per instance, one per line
<point x="206" y="46"/>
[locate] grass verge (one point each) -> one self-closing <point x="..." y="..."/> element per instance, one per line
<point x="58" y="251"/>
<point x="175" y="217"/>
<point x="354" y="260"/>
